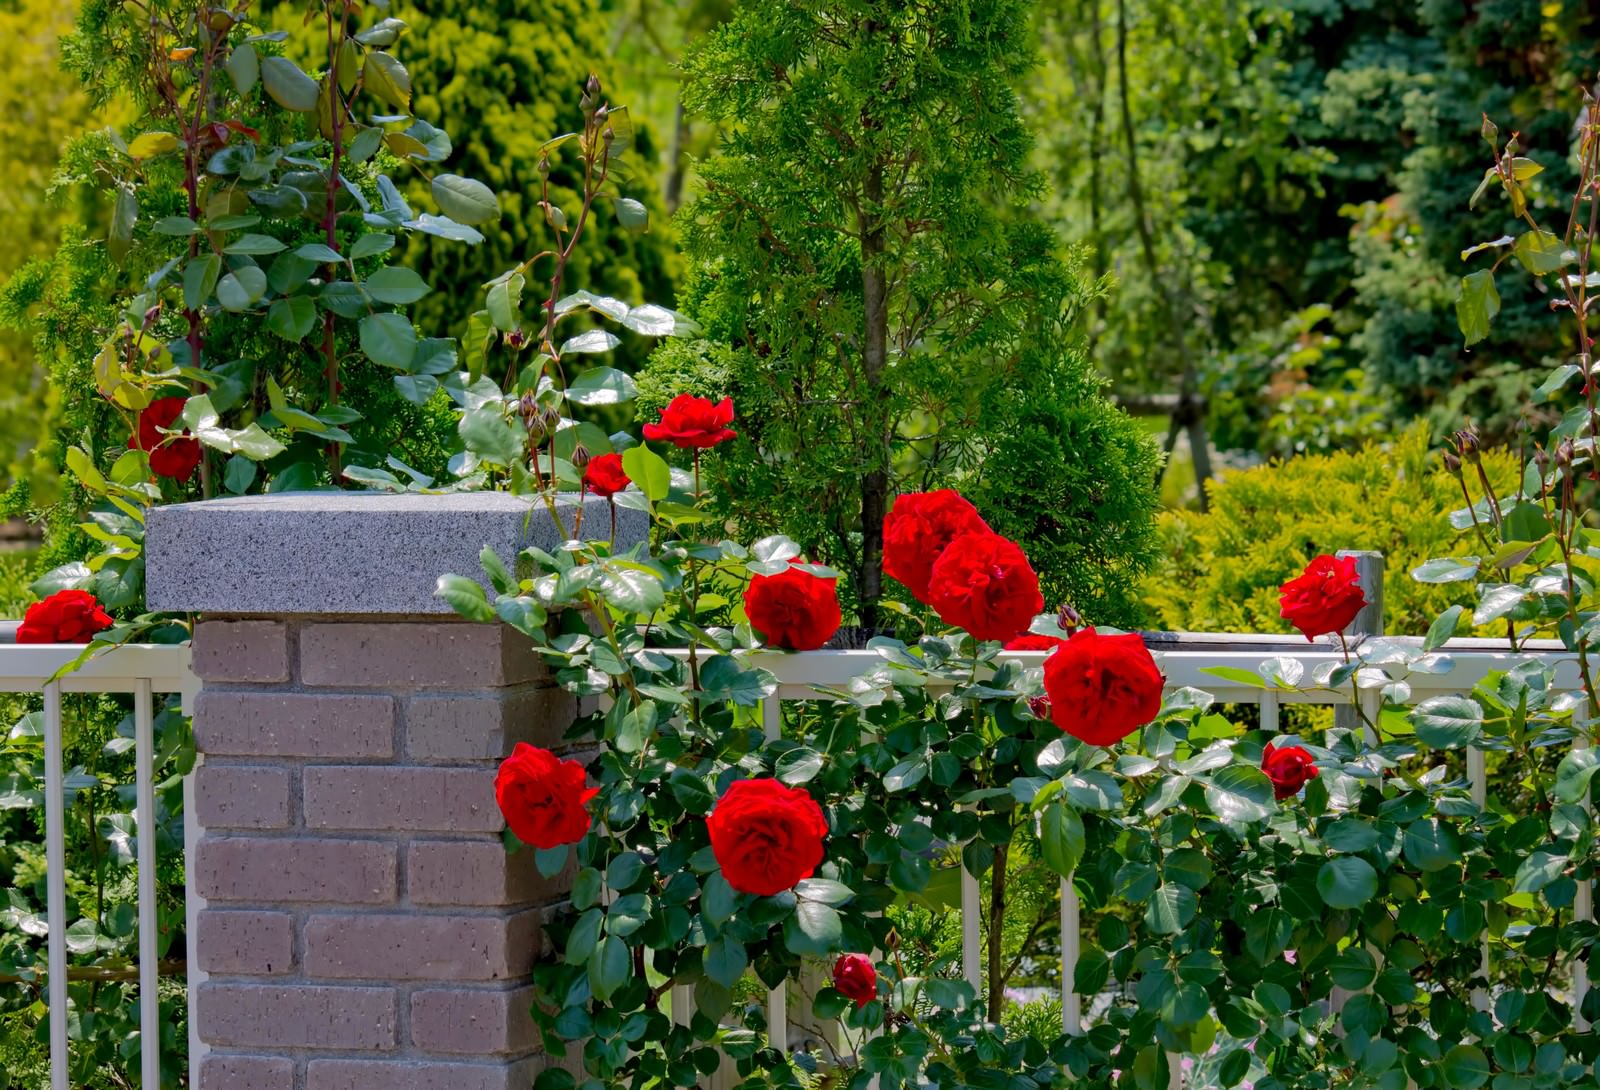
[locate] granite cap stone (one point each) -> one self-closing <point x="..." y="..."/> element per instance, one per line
<point x="360" y="553"/>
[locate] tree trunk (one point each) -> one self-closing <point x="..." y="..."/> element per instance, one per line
<point x="997" y="930"/>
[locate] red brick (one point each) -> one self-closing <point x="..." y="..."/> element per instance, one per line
<point x="220" y="1072"/>
<point x="479" y="873"/>
<point x="241" y="796"/>
<point x="416" y="654"/>
<point x="249" y="943"/>
<point x="473" y="1021"/>
<point x="411" y="947"/>
<point x="419" y="1075"/>
<point x="485" y="727"/>
<point x="246" y="724"/>
<point x="450" y="800"/>
<point x="269" y="871"/>
<point x="254" y="652"/>
<point x="296" y="1016"/>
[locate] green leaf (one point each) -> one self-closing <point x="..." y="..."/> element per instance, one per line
<point x="1239" y="793"/>
<point x="243" y="67"/>
<point x="503" y="302"/>
<point x="691" y="791"/>
<point x="389" y="340"/>
<point x="824" y="890"/>
<point x="289" y="87"/>
<point x="465" y="200"/>
<point x="386" y="79"/>
<point x="648" y="470"/>
<point x="1346" y="882"/>
<point x="319" y="252"/>
<point x="633" y="216"/>
<point x="151" y="144"/>
<point x="610" y="966"/>
<point x="592" y="341"/>
<point x="396" y="284"/>
<point x="1477" y="303"/>
<point x="725" y="961"/>
<point x="602" y="386"/>
<point x="798" y="765"/>
<point x="1539" y="870"/>
<point x="292" y="318"/>
<point x="1540" y="252"/>
<point x="1236" y="675"/>
<point x="371" y="245"/>
<point x="1447" y="722"/>
<point x="814" y="930"/>
<point x="632" y="590"/>
<point x="1061" y="838"/>
<point x="1431" y="845"/>
<point x="465" y="596"/>
<point x="1495" y="600"/>
<point x="444" y="227"/>
<point x="1465" y="1067"/>
<point x="253" y="245"/>
<point x="1445" y="570"/>
<point x="722" y="678"/>
<point x="242" y="288"/>
<point x="1574" y="772"/>
<point x="488" y="434"/>
<point x="239" y="474"/>
<point x="1170" y="910"/>
<point x="1443" y="628"/>
<point x="178" y="226"/>
<point x="1353" y="969"/>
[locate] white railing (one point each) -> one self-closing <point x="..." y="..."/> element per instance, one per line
<point x="141" y="670"/>
<point x="1185" y="660"/>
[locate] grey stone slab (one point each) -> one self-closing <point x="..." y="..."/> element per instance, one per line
<point x="346" y="552"/>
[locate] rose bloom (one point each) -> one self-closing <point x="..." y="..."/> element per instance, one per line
<point x="690" y="421"/>
<point x="984" y="584"/>
<point x="916" y="531"/>
<point x="603" y="475"/>
<point x="766" y="837"/>
<point x="67" y="616"/>
<point x="543" y="797"/>
<point x="1102" y="688"/>
<point x="174" y="458"/>
<point x="1032" y="641"/>
<point x="854" y="977"/>
<point x="793" y="609"/>
<point x="1325" y="598"/>
<point x="1289" y="768"/>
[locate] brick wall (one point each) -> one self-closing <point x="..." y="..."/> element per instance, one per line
<point x="363" y="927"/>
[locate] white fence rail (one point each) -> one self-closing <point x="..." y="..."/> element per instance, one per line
<point x="141" y="670"/>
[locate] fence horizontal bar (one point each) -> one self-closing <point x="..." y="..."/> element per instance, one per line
<point x="26" y="667"/>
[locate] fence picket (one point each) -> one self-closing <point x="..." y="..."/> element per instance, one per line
<point x="1071" y="947"/>
<point x="145" y="818"/>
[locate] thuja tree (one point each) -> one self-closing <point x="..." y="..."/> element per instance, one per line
<point x="875" y="298"/>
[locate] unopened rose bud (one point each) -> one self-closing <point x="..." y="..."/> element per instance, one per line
<point x="1490" y="130"/>
<point x="528" y="408"/>
<point x="1564" y="453"/>
<point x="1068" y="619"/>
<point x="1467" y="444"/>
<point x="600" y="114"/>
<point x="1541" y="458"/>
<point x="544" y="165"/>
<point x="593" y="86"/>
<point x="1452" y="463"/>
<point x="609" y="135"/>
<point x="516" y="340"/>
<point x="1039" y="706"/>
<point x="580" y="455"/>
<point x="152" y="314"/>
<point x="550" y="418"/>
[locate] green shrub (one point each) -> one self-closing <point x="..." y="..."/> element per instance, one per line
<point x="1221" y="571"/>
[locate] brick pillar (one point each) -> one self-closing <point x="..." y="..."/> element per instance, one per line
<point x="356" y="923"/>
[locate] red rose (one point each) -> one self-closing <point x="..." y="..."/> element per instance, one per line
<point x="984" y="584"/>
<point x="1102" y="688"/>
<point x="1289" y="769"/>
<point x="543" y="797"/>
<point x="766" y="837"/>
<point x="690" y="421"/>
<point x="854" y="977"/>
<point x="603" y="475"/>
<point x="916" y="531"/>
<point x="67" y="616"/>
<point x="1325" y="598"/>
<point x="793" y="609"/>
<point x="169" y="457"/>
<point x="1030" y="641"/>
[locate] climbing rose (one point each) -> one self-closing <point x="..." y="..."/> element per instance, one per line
<point x="854" y="977"/>
<point x="690" y="421"/>
<point x="67" y="616"/>
<point x="1031" y="641"/>
<point x="174" y="458"/>
<point x="603" y="475"/>
<point x="1325" y="598"/>
<point x="916" y="531"/>
<point x="1289" y="768"/>
<point x="793" y="609"/>
<point x="1102" y="688"/>
<point x="984" y="584"/>
<point x="766" y="837"/>
<point x="543" y="797"/>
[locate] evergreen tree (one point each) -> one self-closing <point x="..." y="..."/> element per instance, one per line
<point x="877" y="300"/>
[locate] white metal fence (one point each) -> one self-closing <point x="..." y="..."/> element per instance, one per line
<point x="141" y="671"/>
<point x="146" y="670"/>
